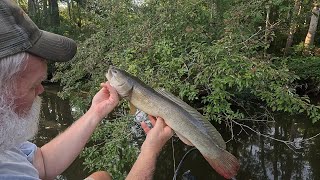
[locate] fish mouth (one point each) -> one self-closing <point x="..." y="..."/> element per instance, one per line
<point x="113" y="69"/>
<point x="109" y="74"/>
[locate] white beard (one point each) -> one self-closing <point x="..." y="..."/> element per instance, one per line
<point x="14" y="128"/>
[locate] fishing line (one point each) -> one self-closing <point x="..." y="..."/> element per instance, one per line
<point x="174" y="158"/>
<point x="176" y="173"/>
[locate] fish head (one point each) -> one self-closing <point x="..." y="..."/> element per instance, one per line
<point x="120" y="80"/>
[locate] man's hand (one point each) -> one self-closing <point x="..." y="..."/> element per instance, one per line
<point x="157" y="136"/>
<point x="54" y="157"/>
<point x="105" y="100"/>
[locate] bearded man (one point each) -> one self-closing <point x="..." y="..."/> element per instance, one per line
<point x="24" y="52"/>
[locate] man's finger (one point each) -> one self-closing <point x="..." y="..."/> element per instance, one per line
<point x="160" y="122"/>
<point x="152" y="120"/>
<point x="103" y="84"/>
<point x="113" y="92"/>
<point x="145" y="127"/>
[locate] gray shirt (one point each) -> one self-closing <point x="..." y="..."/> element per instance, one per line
<point x="16" y="163"/>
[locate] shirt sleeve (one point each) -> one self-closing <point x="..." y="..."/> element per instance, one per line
<point x="29" y="149"/>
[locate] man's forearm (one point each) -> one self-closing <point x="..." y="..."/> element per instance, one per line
<point x="59" y="153"/>
<point x="144" y="167"/>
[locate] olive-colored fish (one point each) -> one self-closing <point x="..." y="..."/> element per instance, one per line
<point x="191" y="127"/>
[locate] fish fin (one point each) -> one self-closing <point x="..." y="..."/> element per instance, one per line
<point x="210" y="130"/>
<point x="132" y="109"/>
<point x="225" y="164"/>
<point x="184" y="140"/>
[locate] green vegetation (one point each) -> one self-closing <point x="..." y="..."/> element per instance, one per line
<point x="232" y="59"/>
<point x="113" y="148"/>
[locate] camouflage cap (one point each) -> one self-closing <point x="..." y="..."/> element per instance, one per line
<point x="19" y="33"/>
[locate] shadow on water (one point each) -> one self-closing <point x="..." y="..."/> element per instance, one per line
<point x="260" y="157"/>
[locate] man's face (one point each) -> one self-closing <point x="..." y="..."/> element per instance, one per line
<point x="29" y="84"/>
<point x="20" y="113"/>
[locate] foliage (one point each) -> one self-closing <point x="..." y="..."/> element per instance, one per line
<point x="308" y="69"/>
<point x="175" y="45"/>
<point x="113" y="148"/>
<point x="312" y="64"/>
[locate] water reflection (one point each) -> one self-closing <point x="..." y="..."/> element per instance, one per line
<point x="260" y="157"/>
<point x="55" y="118"/>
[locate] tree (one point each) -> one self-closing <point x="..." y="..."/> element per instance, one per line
<point x="45" y="13"/>
<point x="293" y="24"/>
<point x="309" y="40"/>
<point x="32" y="8"/>
<point x="54" y="13"/>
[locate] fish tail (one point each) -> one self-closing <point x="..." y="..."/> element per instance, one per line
<point x="225" y="164"/>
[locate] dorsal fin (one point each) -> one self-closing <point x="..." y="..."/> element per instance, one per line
<point x="209" y="129"/>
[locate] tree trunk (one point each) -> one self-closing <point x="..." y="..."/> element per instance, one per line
<point x="79" y="15"/>
<point x="45" y="13"/>
<point x="293" y="25"/>
<point x="267" y="32"/>
<point x="31" y="8"/>
<point x="312" y="28"/>
<point x="69" y="10"/>
<point x="54" y="13"/>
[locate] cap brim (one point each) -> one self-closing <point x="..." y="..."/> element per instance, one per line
<point x="54" y="47"/>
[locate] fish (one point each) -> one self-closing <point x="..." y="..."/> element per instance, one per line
<point x="190" y="126"/>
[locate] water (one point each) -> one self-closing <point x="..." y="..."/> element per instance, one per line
<point x="55" y="118"/>
<point x="260" y="157"/>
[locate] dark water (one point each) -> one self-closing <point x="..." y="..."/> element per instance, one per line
<point x="56" y="116"/>
<point x="260" y="157"/>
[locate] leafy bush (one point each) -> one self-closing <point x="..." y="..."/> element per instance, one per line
<point x="113" y="148"/>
